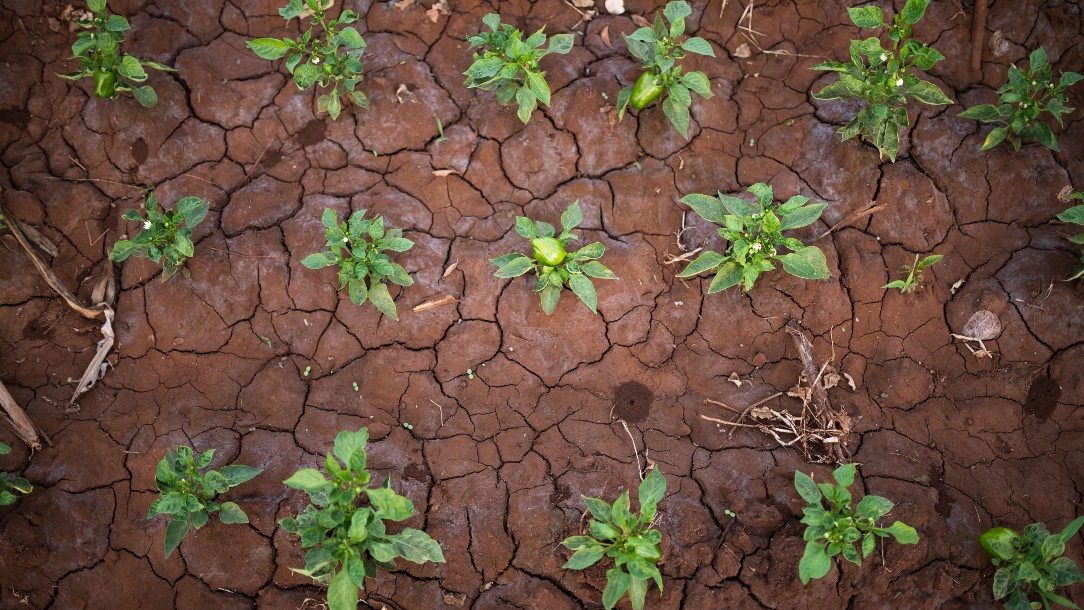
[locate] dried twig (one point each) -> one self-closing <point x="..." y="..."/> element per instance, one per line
<point x="635" y="451"/>
<point x="978" y="33"/>
<point x="869" y="209"/>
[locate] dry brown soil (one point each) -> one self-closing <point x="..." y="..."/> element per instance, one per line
<point x="496" y="464"/>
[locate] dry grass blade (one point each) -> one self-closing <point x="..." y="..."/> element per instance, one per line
<point x="444" y="300"/>
<point x="869" y="209"/>
<point x="15" y="417"/>
<point x="97" y="367"/>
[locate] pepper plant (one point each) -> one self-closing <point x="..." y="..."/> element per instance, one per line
<point x="358" y="247"/>
<point x="554" y="265"/>
<point x="327" y="54"/>
<point x="187" y="496"/>
<point x="1031" y="564"/>
<point x="348" y="542"/>
<point x="630" y="540"/>
<point x="755" y="232"/>
<point x="1075" y="215"/>
<point x="10" y="485"/>
<point x="660" y="50"/>
<point x="1027" y="94"/>
<point x="882" y="77"/>
<point x="836" y="529"/>
<point x="914" y="273"/>
<point x="97" y="48"/>
<point x="163" y="239"/>
<point x="509" y="64"/>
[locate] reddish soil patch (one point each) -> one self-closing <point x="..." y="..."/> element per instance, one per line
<point x="497" y="464"/>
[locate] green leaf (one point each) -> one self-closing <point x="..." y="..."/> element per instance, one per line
<point x="698" y="81"/>
<point x="493" y="20"/>
<point x="416" y="546"/>
<point x="802" y="217"/>
<point x="584" y="558"/>
<point x="728" y="275"/>
<point x="359" y="292"/>
<point x="928" y="93"/>
<point x="814" y="563"/>
<point x="597" y="270"/>
<point x="1003" y="582"/>
<point x="231" y="513"/>
<point x="1045" y="136"/>
<point x="525" y="227"/>
<point x="146" y="96"/>
<point x="527" y="102"/>
<point x="808" y="263"/>
<point x="705" y="262"/>
<point x="349" y="37"/>
<point x="637" y="592"/>
<point x="651" y="491"/>
<point x="807" y="488"/>
<point x="96" y="6"/>
<point x="269" y="48"/>
<point x="699" y="46"/>
<point x="175" y="532"/>
<point x="550" y="295"/>
<point x="995" y="137"/>
<point x="1037" y="59"/>
<point x="538" y="86"/>
<point x="677" y="10"/>
<point x="184" y="245"/>
<point x="903" y="533"/>
<point x="709" y="208"/>
<point x="912" y="11"/>
<point x="584" y="289"/>
<point x="868" y="543"/>
<point x="678" y="115"/>
<point x="516" y="267"/>
<point x="306" y="74"/>
<point x="560" y="44"/>
<point x="844" y="475"/>
<point x="124" y="248"/>
<point x="986" y="113"/>
<point x="867" y="16"/>
<point x="599" y="509"/>
<point x="319" y="260"/>
<point x="389" y="504"/>
<point x="1074" y="526"/>
<point x="342" y="593"/>
<point x="378" y="294"/>
<point x="617" y="583"/>
<point x="873" y="507"/>
<point x="307" y="479"/>
<point x="1064" y="571"/>
<point x="116" y="23"/>
<point x="349" y="447"/>
<point x="237" y="474"/>
<point x="572" y="216"/>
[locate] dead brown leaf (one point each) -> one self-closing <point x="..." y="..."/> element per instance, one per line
<point x="431" y="304"/>
<point x="449" y="270"/>
<point x="441" y="173"/>
<point x="640" y="21"/>
<point x="605" y="36"/>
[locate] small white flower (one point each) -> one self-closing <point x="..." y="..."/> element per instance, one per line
<point x="1032" y="83"/>
<point x="346" y="240"/>
<point x="315" y="61"/>
<point x="146" y="224"/>
<point x="1024" y="105"/>
<point x="899" y="82"/>
<point x="884" y="56"/>
<point x="756" y="247"/>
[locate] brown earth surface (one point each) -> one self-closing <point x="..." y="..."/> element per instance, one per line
<point x="496" y="464"/>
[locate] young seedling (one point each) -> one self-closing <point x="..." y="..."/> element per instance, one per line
<point x="328" y="56"/>
<point x="629" y="539"/>
<point x="914" y="273"/>
<point x="882" y="77"/>
<point x="358" y="247"/>
<point x="553" y="264"/>
<point x="660" y="50"/>
<point x="509" y="64"/>
<point x="97" y="48"/>
<point x="1028" y="93"/>
<point x="163" y="239"/>
<point x="187" y="496"/>
<point x="755" y="232"/>
<point x="835" y="530"/>
<point x="10" y="485"/>
<point x="1075" y="215"/>
<point x="348" y="542"/>
<point x="1031" y="564"/>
